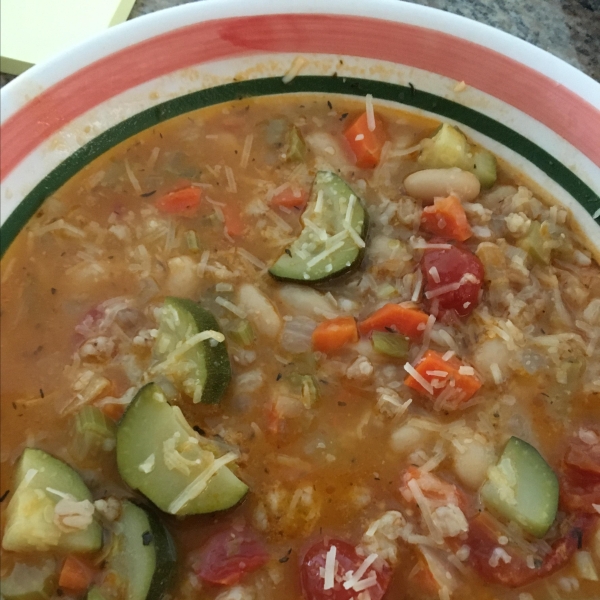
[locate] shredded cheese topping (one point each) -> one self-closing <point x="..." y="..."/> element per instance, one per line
<point x="329" y="575"/>
<point x="194" y="489"/>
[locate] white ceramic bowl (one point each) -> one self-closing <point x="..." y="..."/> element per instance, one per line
<point x="526" y="105"/>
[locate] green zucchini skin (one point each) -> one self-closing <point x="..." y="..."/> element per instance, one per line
<point x="212" y="371"/>
<point x="147" y="428"/>
<point x="292" y="267"/>
<point x="523" y="488"/>
<point x="142" y="560"/>
<point x="27" y="529"/>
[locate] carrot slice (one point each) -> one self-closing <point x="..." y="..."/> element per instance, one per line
<point x="75" y="575"/>
<point x="410" y="322"/>
<point x="366" y="144"/>
<point x="184" y="202"/>
<point x="113" y="411"/>
<point x="333" y="334"/>
<point x="234" y="225"/>
<point x="447" y="218"/>
<point x="444" y="377"/>
<point x="290" y="198"/>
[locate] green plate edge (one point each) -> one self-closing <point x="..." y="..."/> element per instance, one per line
<point x="407" y="95"/>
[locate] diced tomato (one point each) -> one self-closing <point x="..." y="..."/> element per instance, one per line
<point x="580" y="481"/>
<point x="366" y="145"/>
<point x="313" y="584"/>
<point x="234" y="224"/>
<point x="76" y="575"/>
<point x="229" y="555"/>
<point x="183" y="203"/>
<point x="453" y="278"/>
<point x="456" y="387"/>
<point x="408" y="321"/>
<point x="333" y="334"/>
<point x="290" y="198"/>
<point x="513" y="571"/>
<point x="447" y="217"/>
<point x="436" y="490"/>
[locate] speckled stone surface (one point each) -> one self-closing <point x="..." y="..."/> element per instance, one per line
<point x="570" y="29"/>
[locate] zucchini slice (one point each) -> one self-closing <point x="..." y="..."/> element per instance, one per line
<point x="332" y="241"/>
<point x="160" y="455"/>
<point x="42" y="481"/>
<point x="522" y="488"/>
<point x="201" y="370"/>
<point x="142" y="559"/>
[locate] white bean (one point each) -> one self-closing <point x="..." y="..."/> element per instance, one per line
<point x="471" y="465"/>
<point x="407" y="437"/>
<point x="261" y="312"/>
<point x="305" y="301"/>
<point x="182" y="279"/>
<point x="491" y="350"/>
<point x="439" y="183"/>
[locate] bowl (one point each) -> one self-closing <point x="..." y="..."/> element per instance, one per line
<point x="527" y="106"/>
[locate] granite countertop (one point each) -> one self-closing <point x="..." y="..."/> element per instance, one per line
<point x="570" y="29"/>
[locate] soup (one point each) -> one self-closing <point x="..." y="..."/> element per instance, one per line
<point x="300" y="348"/>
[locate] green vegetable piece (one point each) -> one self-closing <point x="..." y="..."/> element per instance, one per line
<point x="202" y="371"/>
<point x="305" y="387"/>
<point x="296" y="146"/>
<point x="95" y="594"/>
<point x="522" y="488"/>
<point x="191" y="240"/>
<point x="484" y="168"/>
<point x="325" y="249"/>
<point x="243" y="334"/>
<point x="30" y="582"/>
<point x="160" y="455"/>
<point x="536" y="244"/>
<point x="28" y="529"/>
<point x="390" y="344"/>
<point x="142" y="560"/>
<point x="93" y="434"/>
<point x="450" y="148"/>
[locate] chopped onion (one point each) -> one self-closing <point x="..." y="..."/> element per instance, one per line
<point x="297" y="335"/>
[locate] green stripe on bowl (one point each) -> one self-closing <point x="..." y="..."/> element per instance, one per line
<point x="406" y="95"/>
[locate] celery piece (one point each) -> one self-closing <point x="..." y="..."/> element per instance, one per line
<point x="305" y="386"/>
<point x="94" y="432"/>
<point x="536" y="244"/>
<point x="390" y="344"/>
<point x="296" y="146"/>
<point x="30" y="582"/>
<point x="191" y="240"/>
<point x="484" y="168"/>
<point x="243" y="333"/>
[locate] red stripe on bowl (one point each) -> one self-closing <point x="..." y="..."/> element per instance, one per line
<point x="540" y="97"/>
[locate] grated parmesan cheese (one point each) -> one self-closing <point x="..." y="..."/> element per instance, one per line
<point x="297" y="65"/>
<point x="329" y="575"/>
<point x="148" y="465"/>
<point x="194" y="489"/>
<point x="246" y="151"/>
<point x="370" y="112"/>
<point x="419" y="378"/>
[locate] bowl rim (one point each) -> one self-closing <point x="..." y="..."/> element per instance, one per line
<point x="33" y="87"/>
